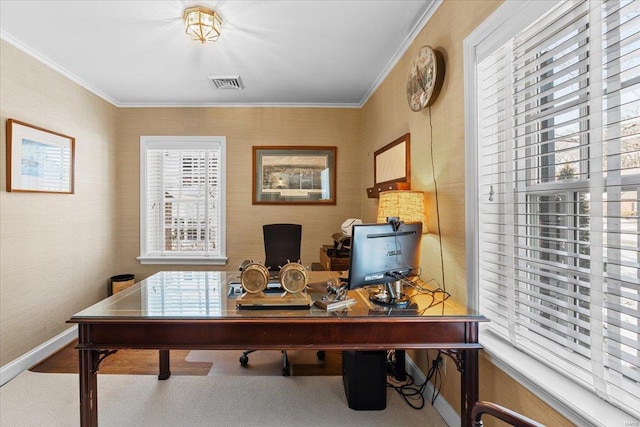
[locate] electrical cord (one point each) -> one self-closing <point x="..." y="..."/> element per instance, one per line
<point x="412" y="393"/>
<point x="437" y="378"/>
<point x="422" y="291"/>
<point x="438" y="295"/>
<point x="440" y="289"/>
<point x="409" y="390"/>
<point x="435" y="185"/>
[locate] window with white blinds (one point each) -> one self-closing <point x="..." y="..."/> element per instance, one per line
<point x="183" y="293"/>
<point x="558" y="185"/>
<point x="182" y="200"/>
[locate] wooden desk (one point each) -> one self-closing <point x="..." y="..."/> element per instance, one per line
<point x="332" y="263"/>
<point x="192" y="310"/>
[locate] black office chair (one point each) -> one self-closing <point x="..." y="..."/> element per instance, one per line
<point x="281" y="245"/>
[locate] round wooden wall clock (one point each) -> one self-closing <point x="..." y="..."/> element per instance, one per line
<point x="424" y="78"/>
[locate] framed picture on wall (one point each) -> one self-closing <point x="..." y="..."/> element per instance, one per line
<point x="294" y="175"/>
<point x="39" y="160"/>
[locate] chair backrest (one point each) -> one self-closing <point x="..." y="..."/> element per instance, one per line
<point x="281" y="245"/>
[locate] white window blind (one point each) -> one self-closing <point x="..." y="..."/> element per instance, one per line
<point x="558" y="180"/>
<point x="182" y="200"/>
<point x="173" y="293"/>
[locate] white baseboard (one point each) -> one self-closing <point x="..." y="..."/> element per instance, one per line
<point x="446" y="411"/>
<point x="38" y="354"/>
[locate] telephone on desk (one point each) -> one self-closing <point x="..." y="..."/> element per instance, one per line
<point x="341" y="244"/>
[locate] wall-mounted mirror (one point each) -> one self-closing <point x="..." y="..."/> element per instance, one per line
<point x="392" y="167"/>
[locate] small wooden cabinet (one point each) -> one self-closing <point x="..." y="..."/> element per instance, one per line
<point x="333" y="263"/>
<point x="121" y="282"/>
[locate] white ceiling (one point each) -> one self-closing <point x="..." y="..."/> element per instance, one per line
<point x="293" y="52"/>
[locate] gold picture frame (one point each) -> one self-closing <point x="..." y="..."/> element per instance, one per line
<point x="39" y="160"/>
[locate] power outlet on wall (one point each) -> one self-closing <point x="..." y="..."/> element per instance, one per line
<point x="442" y="365"/>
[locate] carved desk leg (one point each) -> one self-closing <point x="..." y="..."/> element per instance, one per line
<point x="470" y="385"/>
<point x="165" y="371"/>
<point x="89" y="363"/>
<point x="88" y="389"/>
<point x="469" y="373"/>
<point x="467" y="363"/>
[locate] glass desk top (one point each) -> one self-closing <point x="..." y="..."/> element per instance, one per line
<point x="213" y="295"/>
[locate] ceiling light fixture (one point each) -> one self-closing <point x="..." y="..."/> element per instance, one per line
<point x="202" y="24"/>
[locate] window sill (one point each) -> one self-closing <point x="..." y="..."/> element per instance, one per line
<point x="577" y="404"/>
<point x="173" y="260"/>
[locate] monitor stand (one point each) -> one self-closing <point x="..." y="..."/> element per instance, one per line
<point x="391" y="296"/>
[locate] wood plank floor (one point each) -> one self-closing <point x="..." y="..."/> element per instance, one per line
<point x="145" y="362"/>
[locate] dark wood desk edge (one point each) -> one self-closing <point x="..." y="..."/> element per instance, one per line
<point x="357" y="335"/>
<point x="287" y="320"/>
<point x="91" y="348"/>
<point x="394" y="345"/>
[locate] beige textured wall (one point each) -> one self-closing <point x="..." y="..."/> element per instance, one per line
<point x="440" y="129"/>
<point x="57" y="251"/>
<point x="243" y="128"/>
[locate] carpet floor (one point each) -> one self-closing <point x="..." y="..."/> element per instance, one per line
<point x="266" y="362"/>
<point x="39" y="399"/>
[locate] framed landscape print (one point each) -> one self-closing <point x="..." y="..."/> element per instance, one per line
<point x="294" y="175"/>
<point x="39" y="160"/>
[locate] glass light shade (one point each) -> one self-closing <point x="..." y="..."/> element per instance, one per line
<point x="407" y="205"/>
<point x="202" y="24"/>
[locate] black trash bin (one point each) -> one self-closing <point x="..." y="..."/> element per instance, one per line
<point x="120" y="282"/>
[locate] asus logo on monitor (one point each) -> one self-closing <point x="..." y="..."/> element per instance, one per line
<point x="394" y="253"/>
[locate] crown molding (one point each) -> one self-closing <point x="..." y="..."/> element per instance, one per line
<point x="426" y="16"/>
<point x="49" y="63"/>
<point x="233" y="105"/>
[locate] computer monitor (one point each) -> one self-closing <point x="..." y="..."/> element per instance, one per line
<point x="384" y="254"/>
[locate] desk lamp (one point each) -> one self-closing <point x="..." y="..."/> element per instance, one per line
<point x="403" y="205"/>
<point x="398" y="206"/>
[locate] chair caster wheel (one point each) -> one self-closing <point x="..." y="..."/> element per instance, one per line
<point x="244" y="360"/>
<point x="321" y="355"/>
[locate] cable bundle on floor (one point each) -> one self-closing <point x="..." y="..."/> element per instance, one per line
<point x="411" y="392"/>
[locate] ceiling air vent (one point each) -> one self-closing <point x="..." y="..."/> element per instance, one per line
<point x="226" y="82"/>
